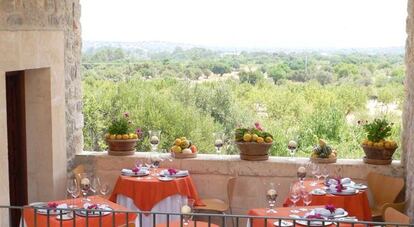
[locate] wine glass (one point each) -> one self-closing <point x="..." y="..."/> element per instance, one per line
<point x="292" y="146"/>
<point x="186" y="209"/>
<point x="271" y="195"/>
<point x="218" y="141"/>
<point x="166" y="155"/>
<point x="315" y="172"/>
<point x="148" y="163"/>
<point x="96" y="184"/>
<point x="73" y="189"/>
<point x="301" y="174"/>
<point x="307" y="198"/>
<point x="318" y="173"/>
<point x="294" y="197"/>
<point x="155" y="163"/>
<point x="85" y="185"/>
<point x="154" y="139"/>
<point x="325" y="173"/>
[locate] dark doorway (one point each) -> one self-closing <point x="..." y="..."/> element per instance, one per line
<point x="16" y="138"/>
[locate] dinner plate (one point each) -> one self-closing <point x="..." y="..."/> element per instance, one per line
<point x="64" y="217"/>
<point x="338" y="215"/>
<point x="314" y="223"/>
<point x="359" y="186"/>
<point x="41" y="209"/>
<point x="165" y="178"/>
<point x="142" y="174"/>
<point x="94" y="212"/>
<point x="342" y="193"/>
<point x="318" y="192"/>
<point x="283" y="223"/>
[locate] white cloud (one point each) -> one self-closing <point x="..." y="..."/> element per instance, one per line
<point x="248" y="23"/>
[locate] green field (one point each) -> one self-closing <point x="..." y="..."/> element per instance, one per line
<point x="195" y="92"/>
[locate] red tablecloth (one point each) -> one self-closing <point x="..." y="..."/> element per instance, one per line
<point x="281" y="212"/>
<point x="108" y="220"/>
<point x="146" y="193"/>
<point x="357" y="205"/>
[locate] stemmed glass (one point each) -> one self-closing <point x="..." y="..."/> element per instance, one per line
<point x="73" y="189"/>
<point x="154" y="139"/>
<point x="166" y="155"/>
<point x="85" y="185"/>
<point x="96" y="185"/>
<point x="315" y="172"/>
<point x="294" y="197"/>
<point x="148" y="163"/>
<point x="325" y="173"/>
<point x="301" y="174"/>
<point x="292" y="146"/>
<point x="271" y="195"/>
<point x="218" y="141"/>
<point x="155" y="163"/>
<point x="186" y="209"/>
<point x="104" y="190"/>
<point x="307" y="198"/>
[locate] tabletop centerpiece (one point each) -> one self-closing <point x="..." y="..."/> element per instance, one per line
<point x="377" y="149"/>
<point x="253" y="143"/>
<point x="323" y="153"/>
<point x="121" y="138"/>
<point x="183" y="148"/>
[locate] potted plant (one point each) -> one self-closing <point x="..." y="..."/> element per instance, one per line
<point x="121" y="139"/>
<point x="377" y="149"/>
<point x="323" y="153"/>
<point x="253" y="143"/>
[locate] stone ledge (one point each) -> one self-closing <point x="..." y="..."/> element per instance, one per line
<point x="232" y="165"/>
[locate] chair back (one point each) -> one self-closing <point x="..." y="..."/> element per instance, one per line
<point x="394" y="216"/>
<point x="231" y="182"/>
<point x="383" y="194"/>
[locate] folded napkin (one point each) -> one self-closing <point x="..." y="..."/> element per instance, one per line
<point x="141" y="170"/>
<point x="53" y="206"/>
<point x="339" y="211"/>
<point x="178" y="173"/>
<point x="322" y="211"/>
<point x="345" y="180"/>
<point x="94" y="206"/>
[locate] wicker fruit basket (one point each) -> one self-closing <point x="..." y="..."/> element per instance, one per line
<point x="252" y="151"/>
<point x="378" y="156"/>
<point x="183" y="156"/>
<point x="121" y="147"/>
<point x="323" y="160"/>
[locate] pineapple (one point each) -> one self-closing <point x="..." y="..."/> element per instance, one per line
<point x="322" y="150"/>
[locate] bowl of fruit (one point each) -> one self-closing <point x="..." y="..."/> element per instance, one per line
<point x="183" y="148"/>
<point x="378" y="150"/>
<point x="121" y="139"/>
<point x="253" y="143"/>
<point x="323" y="153"/>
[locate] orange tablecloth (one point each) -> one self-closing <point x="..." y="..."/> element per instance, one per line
<point x="357" y="205"/>
<point x="282" y="212"/>
<point x="191" y="224"/>
<point x="146" y="193"/>
<point x="119" y="218"/>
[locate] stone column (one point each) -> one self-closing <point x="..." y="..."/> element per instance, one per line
<point x="408" y="117"/>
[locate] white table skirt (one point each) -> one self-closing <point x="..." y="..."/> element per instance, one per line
<point x="170" y="204"/>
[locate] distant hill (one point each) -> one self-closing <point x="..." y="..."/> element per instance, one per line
<point x="161" y="46"/>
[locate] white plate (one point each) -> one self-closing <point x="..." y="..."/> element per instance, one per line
<point x="317" y="192"/>
<point x="338" y="215"/>
<point x="136" y="174"/>
<point x="283" y="223"/>
<point x="94" y="213"/>
<point x="41" y="209"/>
<point x="314" y="223"/>
<point x="64" y="217"/>
<point x="359" y="186"/>
<point x="342" y="193"/>
<point x="165" y="179"/>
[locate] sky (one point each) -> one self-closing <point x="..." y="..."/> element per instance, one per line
<point x="248" y="23"/>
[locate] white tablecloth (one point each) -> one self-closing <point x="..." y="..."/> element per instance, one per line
<point x="171" y="204"/>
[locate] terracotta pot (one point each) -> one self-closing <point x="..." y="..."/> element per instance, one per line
<point x="384" y="156"/>
<point x="121" y="147"/>
<point x="252" y="151"/>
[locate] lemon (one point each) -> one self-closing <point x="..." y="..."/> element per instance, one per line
<point x="183" y="138"/>
<point x="365" y="142"/>
<point x="370" y="144"/>
<point x="112" y="137"/>
<point x="107" y="135"/>
<point x="125" y="136"/>
<point x="176" y="149"/>
<point x="184" y="144"/>
<point x="387" y="145"/>
<point x="119" y="137"/>
<point x="393" y="144"/>
<point x="177" y="142"/>
<point x="260" y="139"/>
<point x="247" y="137"/>
<point x="254" y="137"/>
<point x="380" y="145"/>
<point x="268" y="139"/>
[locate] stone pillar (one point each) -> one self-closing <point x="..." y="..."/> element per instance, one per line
<point x="408" y="117"/>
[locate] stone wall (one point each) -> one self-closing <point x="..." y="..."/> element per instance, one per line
<point x="408" y="119"/>
<point x="55" y="15"/>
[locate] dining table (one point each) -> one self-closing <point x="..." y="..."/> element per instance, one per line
<point x="31" y="217"/>
<point x="150" y="194"/>
<point x="356" y="204"/>
<point x="286" y="212"/>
